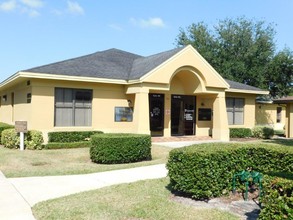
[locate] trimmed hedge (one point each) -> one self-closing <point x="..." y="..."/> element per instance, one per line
<point x="206" y="171"/>
<point x="34" y="140"/>
<point x="54" y="145"/>
<point x="4" y="126"/>
<point x="10" y="138"/>
<point x="120" y="148"/>
<point x="277" y="200"/>
<point x="263" y="132"/>
<point x="71" y="136"/>
<point x="240" y="132"/>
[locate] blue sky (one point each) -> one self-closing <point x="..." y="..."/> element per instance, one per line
<point x="39" y="32"/>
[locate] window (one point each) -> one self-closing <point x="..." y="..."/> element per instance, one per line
<point x="73" y="107"/>
<point x="28" y="98"/>
<point x="279" y="114"/>
<point x="235" y="111"/>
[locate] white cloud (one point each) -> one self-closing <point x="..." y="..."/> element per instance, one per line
<point x="33" y="3"/>
<point x="30" y="12"/>
<point x="8" y="5"/>
<point x="116" y="27"/>
<point x="151" y="22"/>
<point x="74" y="8"/>
<point x="23" y="6"/>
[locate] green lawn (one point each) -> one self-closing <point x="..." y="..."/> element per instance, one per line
<point x="148" y="199"/>
<point x="16" y="163"/>
<point x="141" y="200"/>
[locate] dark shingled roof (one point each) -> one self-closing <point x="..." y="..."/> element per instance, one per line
<point x="143" y="65"/>
<point x="113" y="64"/>
<point x="116" y="64"/>
<point x="110" y="64"/>
<point x="237" y="85"/>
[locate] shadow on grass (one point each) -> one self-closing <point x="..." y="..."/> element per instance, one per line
<point x="286" y="142"/>
<point x="184" y="194"/>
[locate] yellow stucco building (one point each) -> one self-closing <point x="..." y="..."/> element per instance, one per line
<point x="168" y="94"/>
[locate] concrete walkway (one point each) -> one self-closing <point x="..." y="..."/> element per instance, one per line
<point x="12" y="205"/>
<point x="18" y="195"/>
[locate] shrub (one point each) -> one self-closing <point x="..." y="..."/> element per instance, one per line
<point x="277" y="200"/>
<point x="55" y="145"/>
<point x="34" y="140"/>
<point x="240" y="132"/>
<point x="120" y="148"/>
<point x="262" y="132"/>
<point x="206" y="171"/>
<point x="10" y="138"/>
<point x="279" y="132"/>
<point x="71" y="136"/>
<point x="4" y="126"/>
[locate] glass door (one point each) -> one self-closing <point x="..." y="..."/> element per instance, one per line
<point x="177" y="115"/>
<point x="182" y="115"/>
<point x="156" y="105"/>
<point x="189" y="115"/>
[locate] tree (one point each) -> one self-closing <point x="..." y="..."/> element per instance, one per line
<point x="241" y="50"/>
<point x="281" y="84"/>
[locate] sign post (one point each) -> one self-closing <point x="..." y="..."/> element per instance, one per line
<point x="21" y="128"/>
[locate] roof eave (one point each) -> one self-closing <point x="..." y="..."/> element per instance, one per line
<point x="261" y="92"/>
<point x="71" y="78"/>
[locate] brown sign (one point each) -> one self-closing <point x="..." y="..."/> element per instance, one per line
<point x="21" y="126"/>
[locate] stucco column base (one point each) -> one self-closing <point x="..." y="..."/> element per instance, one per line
<point x="221" y="134"/>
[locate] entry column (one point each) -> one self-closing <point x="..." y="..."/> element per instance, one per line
<point x="289" y="120"/>
<point x="141" y="112"/>
<point x="220" y="119"/>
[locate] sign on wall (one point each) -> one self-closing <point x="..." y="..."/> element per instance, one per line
<point x="123" y="114"/>
<point x="204" y="114"/>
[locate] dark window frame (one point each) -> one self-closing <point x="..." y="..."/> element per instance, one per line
<point x="79" y="99"/>
<point x="279" y="115"/>
<point x="235" y="109"/>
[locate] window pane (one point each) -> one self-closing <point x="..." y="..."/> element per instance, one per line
<point x="279" y="114"/>
<point x="67" y="100"/>
<point x="239" y="104"/>
<point x="83" y="116"/>
<point x="238" y="118"/>
<point x="230" y="118"/>
<point x="63" y="117"/>
<point x="83" y="98"/>
<point x="229" y="104"/>
<point x="58" y="96"/>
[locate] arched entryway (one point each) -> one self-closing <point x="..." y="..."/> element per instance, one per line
<point x="173" y="112"/>
<point x="184" y="85"/>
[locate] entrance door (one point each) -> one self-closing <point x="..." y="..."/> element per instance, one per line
<point x="182" y="115"/>
<point x="156" y="104"/>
